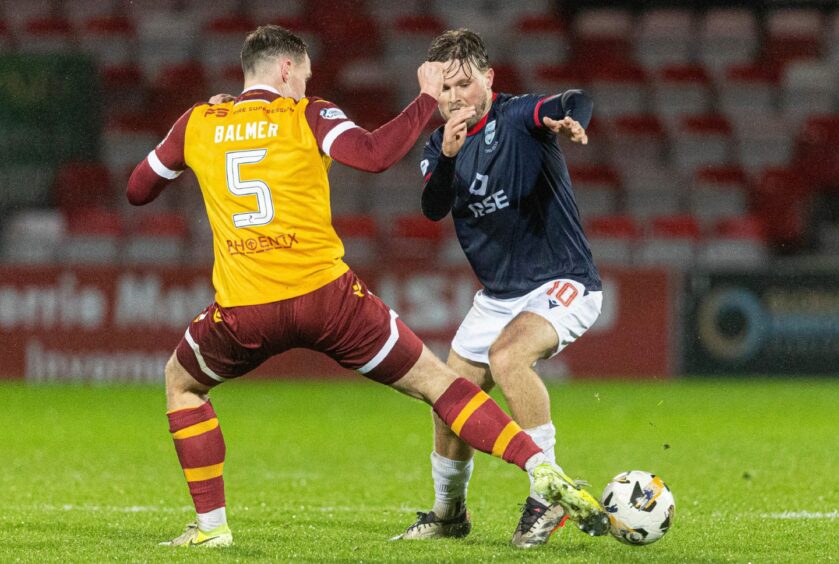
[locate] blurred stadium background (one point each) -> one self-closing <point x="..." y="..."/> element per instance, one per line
<point x="709" y="188"/>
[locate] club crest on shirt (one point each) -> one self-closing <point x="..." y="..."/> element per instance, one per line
<point x="424" y="166"/>
<point x="489" y="133"/>
<point x="332" y="113"/>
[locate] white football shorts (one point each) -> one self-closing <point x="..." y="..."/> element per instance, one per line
<point x="563" y="303"/>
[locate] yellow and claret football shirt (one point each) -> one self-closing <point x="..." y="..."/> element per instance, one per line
<point x="262" y="163"/>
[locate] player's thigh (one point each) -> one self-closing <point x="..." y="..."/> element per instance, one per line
<point x="480" y="328"/>
<point x="476" y="372"/>
<point x="427" y="379"/>
<point x="526" y="339"/>
<point x="567" y="308"/>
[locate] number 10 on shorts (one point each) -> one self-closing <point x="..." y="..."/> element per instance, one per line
<point x="564" y="292"/>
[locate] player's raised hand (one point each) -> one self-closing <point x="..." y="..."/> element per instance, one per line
<point x="221" y="99"/>
<point x="454" y="133"/>
<point x="568" y="127"/>
<point x="430" y="77"/>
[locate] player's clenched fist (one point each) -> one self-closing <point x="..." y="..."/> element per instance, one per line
<point x="430" y="77"/>
<point x="569" y="128"/>
<point x="454" y="134"/>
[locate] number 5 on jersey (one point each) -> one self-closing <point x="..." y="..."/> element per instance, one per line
<point x="238" y="187"/>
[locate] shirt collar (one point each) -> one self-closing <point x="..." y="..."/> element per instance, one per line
<point x="261" y="87"/>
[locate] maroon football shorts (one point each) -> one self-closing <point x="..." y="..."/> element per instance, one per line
<point x="342" y="320"/>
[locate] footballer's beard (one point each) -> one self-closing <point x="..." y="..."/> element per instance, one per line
<point x="481" y="108"/>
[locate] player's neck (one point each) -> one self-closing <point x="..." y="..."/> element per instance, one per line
<point x="270" y="85"/>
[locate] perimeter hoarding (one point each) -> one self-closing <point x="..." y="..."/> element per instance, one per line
<point x="772" y="323"/>
<point x="109" y="324"/>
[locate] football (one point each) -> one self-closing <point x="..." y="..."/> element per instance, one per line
<point x="640" y="507"/>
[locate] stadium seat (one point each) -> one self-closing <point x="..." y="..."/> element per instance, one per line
<point x="681" y="90"/>
<point x="665" y="37"/>
<point x="110" y="40"/>
<point x="165" y="40"/>
<point x="651" y="192"/>
<point x="636" y="142"/>
<point x="728" y="36"/>
<point x="360" y="237"/>
<point x="25" y="184"/>
<point x="157" y="238"/>
<point x="612" y="239"/>
<point x="271" y="10"/>
<point x="718" y="193"/>
<point x="126" y="140"/>
<point x="79" y="12"/>
<point x="792" y="34"/>
<point x="702" y="140"/>
<point x="6" y="39"/>
<point x="670" y="242"/>
<point x="537" y="41"/>
<point x="782" y="200"/>
<point x="618" y="89"/>
<point x="515" y="11"/>
<point x="82" y="185"/>
<point x="507" y="78"/>
<point x="177" y="88"/>
<point x="602" y="36"/>
<point x="551" y="79"/>
<point x="816" y="156"/>
<point x="480" y="17"/>
<point x="832" y="37"/>
<point x="763" y="140"/>
<point x="748" y="89"/>
<point x="366" y="93"/>
<point x="596" y="189"/>
<point x="21" y="13"/>
<point x="50" y="34"/>
<point x="735" y="244"/>
<point x="349" y="189"/>
<point x="93" y="237"/>
<point x="406" y="41"/>
<point x="221" y="42"/>
<point x="596" y="152"/>
<point x="33" y="236"/>
<point x="809" y="88"/>
<point x="204" y="12"/>
<point x="413" y="237"/>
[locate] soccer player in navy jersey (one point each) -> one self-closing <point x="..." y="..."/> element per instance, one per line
<point x="497" y="168"/>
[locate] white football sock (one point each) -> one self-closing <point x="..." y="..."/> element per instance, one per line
<point x="451" y="480"/>
<point x="545" y="438"/>
<point x="212" y="519"/>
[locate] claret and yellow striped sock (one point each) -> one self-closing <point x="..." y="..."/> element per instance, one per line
<point x="483" y="425"/>
<point x="200" y="447"/>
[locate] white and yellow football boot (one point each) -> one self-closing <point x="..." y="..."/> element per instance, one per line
<point x="580" y="506"/>
<point x="193" y="536"/>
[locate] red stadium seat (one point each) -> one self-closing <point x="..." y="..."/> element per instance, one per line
<point x="221" y="42"/>
<point x="93" y="236"/>
<point x="781" y="202"/>
<point x="156" y="238"/>
<point x="603" y="36"/>
<point x="792" y="34"/>
<point x="596" y="189"/>
<point x="618" y="89"/>
<point x="671" y="242"/>
<point x="110" y="40"/>
<point x="50" y="34"/>
<point x="538" y="40"/>
<point x="737" y="243"/>
<point x="665" y="37"/>
<point x="359" y="234"/>
<point x="550" y="79"/>
<point x="728" y="36"/>
<point x="719" y="192"/>
<point x="81" y="185"/>
<point x="748" y="90"/>
<point x="413" y="237"/>
<point x="682" y="90"/>
<point x="612" y="239"/>
<point x="636" y="141"/>
<point x="817" y="157"/>
<point x="702" y="140"/>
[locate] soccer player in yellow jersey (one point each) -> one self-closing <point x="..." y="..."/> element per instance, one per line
<point x="261" y="161"/>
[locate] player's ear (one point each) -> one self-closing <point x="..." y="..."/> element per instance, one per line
<point x="490" y="76"/>
<point x="285" y="69"/>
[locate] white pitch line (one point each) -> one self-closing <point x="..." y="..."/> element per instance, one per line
<point x="795" y="515"/>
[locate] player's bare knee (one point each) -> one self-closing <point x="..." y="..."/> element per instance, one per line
<point x="179" y="381"/>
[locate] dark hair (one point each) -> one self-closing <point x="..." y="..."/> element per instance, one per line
<point x="462" y="45"/>
<point x="269" y="41"/>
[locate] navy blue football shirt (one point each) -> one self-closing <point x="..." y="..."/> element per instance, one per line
<point x="514" y="210"/>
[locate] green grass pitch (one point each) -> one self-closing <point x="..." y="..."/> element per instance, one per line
<point x="330" y="470"/>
